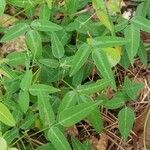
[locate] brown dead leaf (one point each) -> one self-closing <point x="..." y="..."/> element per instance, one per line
<point x="72" y="131"/>
<point x="146" y="37"/>
<point x="109" y="92"/>
<point x="15" y="45"/>
<point x="94" y="142"/>
<point x="139" y="123"/>
<point x="7" y="20"/>
<point x="147" y="130"/>
<point x="139" y="130"/>
<point x="103" y="142"/>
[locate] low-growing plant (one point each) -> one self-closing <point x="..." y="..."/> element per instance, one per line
<point x="70" y="59"/>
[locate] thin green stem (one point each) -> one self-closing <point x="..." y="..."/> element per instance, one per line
<point x="68" y="85"/>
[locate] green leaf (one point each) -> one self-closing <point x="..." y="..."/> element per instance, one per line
<point x="87" y="145"/>
<point x="36" y="88"/>
<point x="26" y="80"/>
<point x="24" y="100"/>
<point x="2" y="6"/>
<point x="94" y="87"/>
<point x="11" y="135"/>
<point x="17" y="112"/>
<point x="80" y="58"/>
<point x="126" y="118"/>
<point x="132" y="34"/>
<point x="122" y="23"/>
<point x="34" y="43"/>
<point x="74" y="114"/>
<point x="45" y="26"/>
<point x="13" y="148"/>
<point x="113" y="55"/>
<point x="68" y="100"/>
<point x="124" y="62"/>
<point x="99" y="4"/>
<point x="76" y="144"/>
<point x="113" y="7"/>
<point x="51" y="63"/>
<point x="82" y="24"/>
<point x="104" y="18"/>
<point x="57" y="47"/>
<point x="3" y="143"/>
<point x="28" y="121"/>
<point x="132" y="88"/>
<point x="72" y="6"/>
<point x="16" y="58"/>
<point x="116" y="102"/>
<point x="5" y="116"/>
<point x="139" y="10"/>
<point x="107" y="41"/>
<point x="63" y="36"/>
<point x="95" y="118"/>
<point x="142" y="53"/>
<point x="6" y="71"/>
<point x="55" y="102"/>
<point x="58" y="139"/>
<point x="88" y="69"/>
<point x="78" y="77"/>
<point x="46" y="147"/>
<point x="15" y="31"/>
<point x="51" y="75"/>
<point x="142" y="23"/>
<point x="101" y="11"/>
<point x="45" y="109"/>
<point x="44" y="13"/>
<point x="103" y="65"/>
<point x="142" y="8"/>
<point x="24" y="3"/>
<point x="49" y="3"/>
